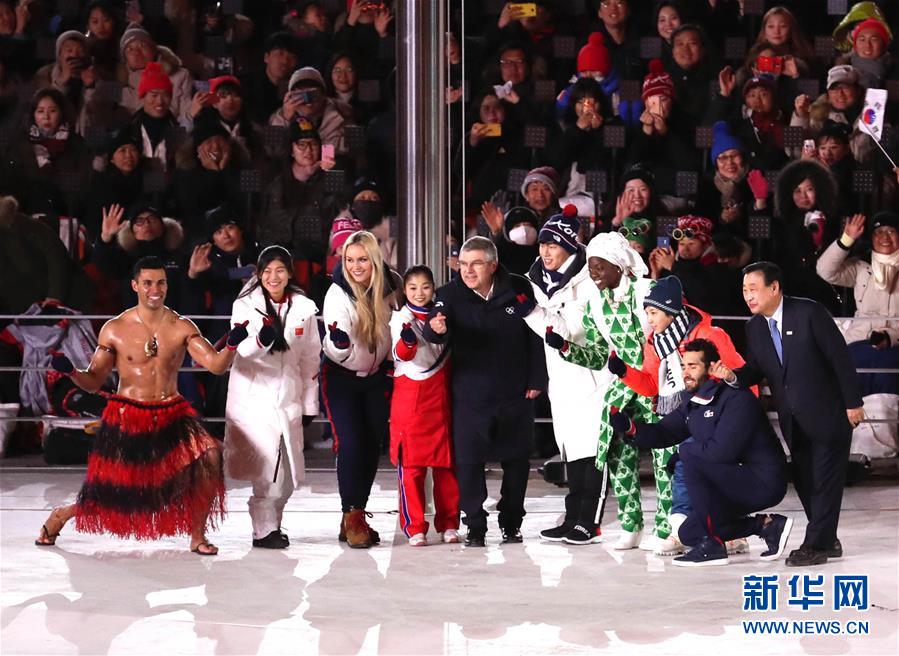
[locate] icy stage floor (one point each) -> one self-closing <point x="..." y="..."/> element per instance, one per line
<point x="97" y="595"/>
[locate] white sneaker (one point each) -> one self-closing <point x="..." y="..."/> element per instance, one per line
<point x="670" y="546"/>
<point x="675" y="520"/>
<point x="450" y="536"/>
<point x="418" y="540"/>
<point x="628" y="540"/>
<point x="738" y="546"/>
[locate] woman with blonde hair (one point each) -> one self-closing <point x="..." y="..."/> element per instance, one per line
<point x="355" y="383"/>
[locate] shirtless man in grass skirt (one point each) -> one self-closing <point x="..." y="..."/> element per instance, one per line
<point x="153" y="470"/>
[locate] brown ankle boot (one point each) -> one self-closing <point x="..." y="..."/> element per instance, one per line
<point x="373" y="534"/>
<point x="356" y="529"/>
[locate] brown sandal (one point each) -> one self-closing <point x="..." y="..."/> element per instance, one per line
<point x="48" y="539"/>
<point x="197" y="551"/>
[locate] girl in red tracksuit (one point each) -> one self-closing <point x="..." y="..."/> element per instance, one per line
<point x="420" y="435"/>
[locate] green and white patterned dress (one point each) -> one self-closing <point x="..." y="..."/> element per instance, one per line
<point x="615" y="325"/>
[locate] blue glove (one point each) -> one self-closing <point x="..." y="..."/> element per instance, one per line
<point x="555" y="340"/>
<point x="407" y="335"/>
<point x="267" y="333"/>
<point x="339" y="338"/>
<point x="621" y="423"/>
<point x="237" y="335"/>
<point x="524" y="305"/>
<point x="616" y="365"/>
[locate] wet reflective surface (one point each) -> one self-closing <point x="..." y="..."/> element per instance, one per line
<point x="97" y="595"/>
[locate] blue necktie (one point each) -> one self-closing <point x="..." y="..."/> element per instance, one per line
<point x="775" y="337"/>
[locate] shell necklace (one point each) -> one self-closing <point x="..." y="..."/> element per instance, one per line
<point x="151" y="346"/>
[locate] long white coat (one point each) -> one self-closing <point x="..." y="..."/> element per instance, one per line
<point x="575" y="392"/>
<point x="269" y="393"/>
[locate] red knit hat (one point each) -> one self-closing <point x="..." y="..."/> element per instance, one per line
<point x="216" y="82"/>
<point x="872" y="24"/>
<point x="658" y="82"/>
<point x="341" y="229"/>
<point x="594" y="56"/>
<point x="700" y="226"/>
<point x="153" y="78"/>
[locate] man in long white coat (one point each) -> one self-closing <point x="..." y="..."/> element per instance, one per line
<point x="273" y="389"/>
<point x="562" y="287"/>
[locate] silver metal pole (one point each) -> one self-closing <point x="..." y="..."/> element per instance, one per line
<point x="421" y="133"/>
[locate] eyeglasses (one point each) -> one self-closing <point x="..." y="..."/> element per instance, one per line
<point x="477" y="264"/>
<point x="613" y="3"/>
<point x="685" y="233"/>
<point x="508" y="63"/>
<point x="343" y="69"/>
<point x="636" y="231"/>
<point x="306" y="145"/>
<point x="142" y="221"/>
<point x="729" y="158"/>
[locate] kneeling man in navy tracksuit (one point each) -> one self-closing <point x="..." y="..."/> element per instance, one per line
<point x="734" y="465"/>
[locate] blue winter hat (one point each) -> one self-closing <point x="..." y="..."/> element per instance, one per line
<point x="723" y="139"/>
<point x="562" y="229"/>
<point x="667" y="295"/>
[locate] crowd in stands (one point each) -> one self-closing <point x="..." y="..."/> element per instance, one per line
<point x="711" y="133"/>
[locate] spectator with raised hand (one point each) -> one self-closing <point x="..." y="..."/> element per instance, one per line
<point x="514" y="234"/>
<point x="732" y="192"/>
<point x="225" y="103"/>
<point x="731" y="458"/>
<point x="664" y="142"/>
<point x="539" y="31"/>
<point x="637" y="199"/>
<point x="513" y="75"/>
<point x="306" y="98"/>
<point x="498" y="370"/>
<point x="806" y="202"/>
<point x="872" y="344"/>
<point x="48" y="167"/>
<point x="562" y="287"/>
<point x="842" y="103"/>
<point x="142" y="232"/>
<point x="17" y="43"/>
<point x="207" y="174"/>
<point x="763" y="59"/>
<point x="692" y="262"/>
<point x="119" y="183"/>
<point x="297" y="208"/>
<point x="139" y="49"/>
<point x="264" y="87"/>
<point x="493" y="146"/>
<point x="365" y="25"/>
<point x="783" y="32"/>
<point x="355" y="381"/>
<point x="272" y="392"/>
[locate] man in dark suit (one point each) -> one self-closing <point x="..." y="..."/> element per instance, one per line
<point x="795" y="345"/>
<point x="498" y="369"/>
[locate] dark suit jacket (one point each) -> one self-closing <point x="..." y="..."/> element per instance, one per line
<point x="817" y="381"/>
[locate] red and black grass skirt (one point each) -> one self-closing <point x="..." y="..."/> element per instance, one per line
<point x="146" y="475"/>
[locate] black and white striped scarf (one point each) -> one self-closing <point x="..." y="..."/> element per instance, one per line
<point x="671" y="380"/>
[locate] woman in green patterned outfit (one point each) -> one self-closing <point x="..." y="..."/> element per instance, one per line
<point x="616" y="320"/>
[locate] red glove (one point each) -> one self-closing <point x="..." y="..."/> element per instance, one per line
<point x="758" y="183"/>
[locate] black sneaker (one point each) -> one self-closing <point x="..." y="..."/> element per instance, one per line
<point x="707" y="553"/>
<point x="511" y="535"/>
<point x="806" y="557"/>
<point x="274" y="540"/>
<point x="580" y="534"/>
<point x="475" y="538"/>
<point x="836" y="551"/>
<point x="556" y="533"/>
<point x="775" y="534"/>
